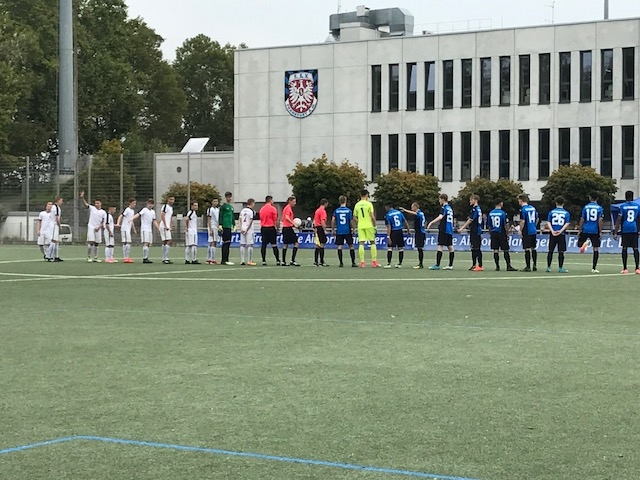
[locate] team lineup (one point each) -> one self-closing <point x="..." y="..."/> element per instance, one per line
<point x="220" y="221"/>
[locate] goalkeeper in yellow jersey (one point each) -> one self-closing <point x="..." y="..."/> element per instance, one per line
<point x="366" y="222"/>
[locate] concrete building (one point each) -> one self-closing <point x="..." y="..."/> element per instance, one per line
<point x="509" y="103"/>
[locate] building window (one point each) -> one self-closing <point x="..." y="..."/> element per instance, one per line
<point x="585" y="146"/>
<point x="393" y="152"/>
<point x="564" y="147"/>
<point x="606" y="82"/>
<point x="376" y="88"/>
<point x="430" y="86"/>
<point x="523" y="155"/>
<point x="394" y="87"/>
<point x="411" y="152"/>
<point x="447" y="80"/>
<point x="544" y="152"/>
<point x="485" y="155"/>
<point x="485" y="82"/>
<point x="467" y="82"/>
<point x="412" y="86"/>
<point x="429" y="154"/>
<point x="586" y="62"/>
<point x="505" y="81"/>
<point x="628" y="68"/>
<point x="504" y="158"/>
<point x="465" y="144"/>
<point x="606" y="151"/>
<point x="376" y="156"/>
<point x="545" y="78"/>
<point x="627" y="152"/>
<point x="525" y="79"/>
<point x="447" y="157"/>
<point x="565" y="77"/>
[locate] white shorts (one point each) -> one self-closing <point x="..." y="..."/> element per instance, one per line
<point x="125" y="236"/>
<point x="44" y="238"/>
<point x="247" y="238"/>
<point x="191" y="239"/>
<point x="165" y="235"/>
<point x="93" y="236"/>
<point x="109" y="240"/>
<point x="55" y="236"/>
<point x="214" y="237"/>
<point x="146" y="237"/>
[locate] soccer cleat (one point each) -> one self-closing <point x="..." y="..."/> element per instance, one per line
<point x="277" y="263"/>
<point x="418" y="267"/>
<point x="215" y="262"/>
<point x="294" y="264"/>
<point x="478" y="269"/>
<point x="284" y="264"/>
<point x="353" y="265"/>
<point x="264" y="264"/>
<point x="388" y="265"/>
<point x="195" y="262"/>
<point x="595" y="270"/>
<point x="583" y="248"/>
<point x="472" y="268"/>
<point x="535" y="268"/>
<point x="624" y="272"/>
<point x="229" y="263"/>
<point x="97" y="260"/>
<point x="448" y="267"/>
<point x="127" y="260"/>
<point x="323" y="265"/>
<point x="434" y="267"/>
<point x="242" y="264"/>
<point x="89" y="260"/>
<point x="251" y="264"/>
<point x="363" y="265"/>
<point x="113" y="260"/>
<point x="341" y="265"/>
<point x="375" y="264"/>
<point x="548" y="270"/>
<point x="58" y="259"/>
<point x="563" y="270"/>
<point x="146" y="260"/>
<point x="526" y="269"/>
<point x="511" y="269"/>
<point x="399" y="265"/>
<point x="497" y="268"/>
<point x="637" y="271"/>
<point x="209" y="261"/>
<point x="187" y="262"/>
<point x="109" y="260"/>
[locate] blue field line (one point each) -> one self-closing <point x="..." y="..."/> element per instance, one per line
<point x="345" y="466"/>
<point x="35" y="445"/>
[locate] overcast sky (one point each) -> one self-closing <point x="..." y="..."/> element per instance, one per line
<point x="265" y="23"/>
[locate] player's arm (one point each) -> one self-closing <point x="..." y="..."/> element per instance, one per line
<point x="616" y="226"/>
<point x="581" y="223"/>
<point x="404" y="210"/>
<point x="86" y="204"/>
<point x="388" y="227"/>
<point x="406" y="225"/>
<point x="162" y="219"/>
<point x="38" y="226"/>
<point x="155" y="222"/>
<point x="466" y="224"/>
<point x="522" y="223"/>
<point x="333" y="223"/>
<point x="435" y="220"/>
<point x="119" y="221"/>
<point x="600" y="225"/>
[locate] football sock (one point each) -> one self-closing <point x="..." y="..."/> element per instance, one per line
<point x="213" y="253"/>
<point x="561" y="259"/>
<point x="507" y="258"/>
<point x="534" y="256"/>
<point x="625" y="257"/>
<point x="527" y="258"/>
<point x="549" y="259"/>
<point x="276" y="254"/>
<point x="95" y="250"/>
<point x="322" y="255"/>
<point x="400" y="257"/>
<point x="194" y="252"/>
<point x="479" y="257"/>
<point x="50" y="250"/>
<point x="361" y="252"/>
<point x="451" y="255"/>
<point x="225" y="251"/>
<point x="340" y="256"/>
<point x="89" y="247"/>
<point x="242" y="253"/>
<point x="209" y="253"/>
<point x="420" y="255"/>
<point x="56" y="249"/>
<point x="263" y="252"/>
<point x="352" y="253"/>
<point x="128" y="250"/>
<point x="294" y="253"/>
<point x="473" y="257"/>
<point x="186" y="253"/>
<point x="389" y="256"/>
<point x="374" y="252"/>
<point x="316" y="254"/>
<point x="284" y="255"/>
<point x="636" y="257"/>
<point x="496" y="258"/>
<point x="167" y="249"/>
<point x="145" y="252"/>
<point x="250" y="253"/>
<point x="41" y="249"/>
<point x="438" y="257"/>
<point x="596" y="256"/>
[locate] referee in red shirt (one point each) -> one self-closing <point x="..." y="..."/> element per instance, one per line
<point x="268" y="221"/>
<point x="319" y="226"/>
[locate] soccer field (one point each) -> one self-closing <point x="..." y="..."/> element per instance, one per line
<point x="208" y="372"/>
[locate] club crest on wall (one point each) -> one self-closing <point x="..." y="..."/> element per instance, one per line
<point x="301" y="92"/>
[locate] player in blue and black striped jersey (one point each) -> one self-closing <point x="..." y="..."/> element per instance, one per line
<point x="628" y="225"/>
<point x="445" y="232"/>
<point x="420" y="230"/>
<point x="342" y="227"/>
<point x="591" y="228"/>
<point x="395" y="222"/>
<point x="528" y="229"/>
<point x="474" y="222"/>
<point x="558" y="223"/>
<point x="497" y="220"/>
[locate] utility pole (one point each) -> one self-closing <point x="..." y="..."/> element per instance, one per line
<point x="606" y="9"/>
<point x="553" y="11"/>
<point x="66" y="107"/>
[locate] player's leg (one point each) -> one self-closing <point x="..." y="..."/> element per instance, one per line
<point x="562" y="248"/>
<point x="389" y="251"/>
<point x="636" y="258"/>
<point x="595" y="242"/>
<point x="552" y="247"/>
<point x="625" y="258"/>
<point x="361" y="250"/>
<point x="451" y="255"/>
<point x="243" y="248"/>
<point x="285" y="247"/>
<point x="249" y="242"/>
<point x="274" y="244"/>
<point x="439" y="256"/>
<point x="294" y="253"/>
<point x="263" y="247"/>
<point x="340" y="256"/>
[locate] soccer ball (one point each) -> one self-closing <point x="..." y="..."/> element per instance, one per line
<point x="297" y="222"/>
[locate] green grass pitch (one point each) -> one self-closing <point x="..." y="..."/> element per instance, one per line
<point x="492" y="376"/>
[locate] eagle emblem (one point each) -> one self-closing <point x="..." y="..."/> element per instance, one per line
<point x="301" y="92"/>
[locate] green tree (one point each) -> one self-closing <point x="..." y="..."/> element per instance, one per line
<point x="403" y="188"/>
<point x="202" y="193"/>
<point x="325" y="179"/>
<point x="575" y="183"/>
<point x="490" y="193"/>
<point x="206" y="71"/>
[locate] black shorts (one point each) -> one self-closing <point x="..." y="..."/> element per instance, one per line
<point x="269" y="236"/>
<point x="445" y="239"/>
<point x="397" y="239"/>
<point x="593" y="237"/>
<point x="476" y="241"/>
<point x="529" y="241"/>
<point x="499" y="241"/>
<point x="345" y="238"/>
<point x="226" y="235"/>
<point x="629" y="240"/>
<point x="420" y="239"/>
<point x="560" y="241"/>
<point x="289" y="236"/>
<point x="321" y="236"/>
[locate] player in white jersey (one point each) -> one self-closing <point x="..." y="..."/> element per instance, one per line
<point x="191" y="235"/>
<point x="246" y="232"/>
<point x="125" y="223"/>
<point x="213" y="224"/>
<point x="109" y="235"/>
<point x="44" y="230"/>
<point x="147" y="221"/>
<point x="166" y="213"/>
<point x="94" y="227"/>
<point x="56" y="213"/>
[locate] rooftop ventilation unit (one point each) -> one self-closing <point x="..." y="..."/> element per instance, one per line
<point x="387" y="22"/>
